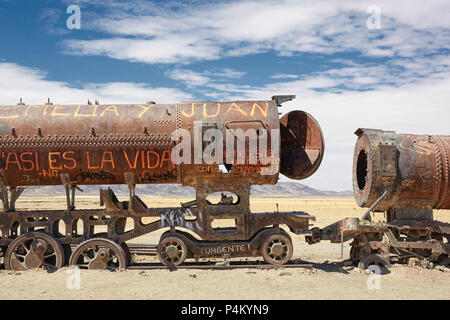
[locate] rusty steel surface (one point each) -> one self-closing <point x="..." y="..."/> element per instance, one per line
<point x="72" y="145"/>
<point x="406" y="176"/>
<point x="414" y="169"/>
<point x="302" y="145"/>
<point x="99" y="144"/>
<point x="396" y="241"/>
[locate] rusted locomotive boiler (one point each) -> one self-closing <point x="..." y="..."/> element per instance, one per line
<point x="413" y="169"/>
<point x="405" y="176"/>
<point x="75" y="145"/>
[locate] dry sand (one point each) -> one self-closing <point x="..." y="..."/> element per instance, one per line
<point x="330" y="278"/>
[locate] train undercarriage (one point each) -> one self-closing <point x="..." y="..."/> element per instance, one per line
<point x="97" y="238"/>
<point x="382" y="243"/>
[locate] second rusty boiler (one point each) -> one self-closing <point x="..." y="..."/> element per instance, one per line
<point x="413" y="169"/>
<point x="405" y="176"/>
<point x="99" y="144"/>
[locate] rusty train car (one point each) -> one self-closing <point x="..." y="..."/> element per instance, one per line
<point x="404" y="176"/>
<point x="93" y="144"/>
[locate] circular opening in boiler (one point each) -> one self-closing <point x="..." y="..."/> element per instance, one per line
<point x="361" y="170"/>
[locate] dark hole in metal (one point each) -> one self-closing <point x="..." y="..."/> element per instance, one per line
<point x="361" y="170"/>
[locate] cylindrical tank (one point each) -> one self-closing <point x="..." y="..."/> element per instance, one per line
<point x="414" y="169"/>
<point x="100" y="144"/>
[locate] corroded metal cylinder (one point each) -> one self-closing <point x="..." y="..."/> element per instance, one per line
<point x="302" y="145"/>
<point x="414" y="169"/>
<point x="108" y="144"/>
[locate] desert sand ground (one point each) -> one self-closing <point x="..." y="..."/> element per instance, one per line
<point x="331" y="278"/>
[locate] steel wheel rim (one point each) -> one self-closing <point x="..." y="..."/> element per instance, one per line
<point x="277" y="249"/>
<point x="98" y="254"/>
<point x="32" y="251"/>
<point x="167" y="254"/>
<point x="172" y="251"/>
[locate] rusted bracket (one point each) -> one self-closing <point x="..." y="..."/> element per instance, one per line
<point x="366" y="216"/>
<point x="188" y="204"/>
<point x="109" y="200"/>
<point x="279" y="100"/>
<point x="392" y="239"/>
<point x="4" y="195"/>
<point x="9" y="203"/>
<point x="15" y="194"/>
<point x="131" y="187"/>
<point x="70" y="191"/>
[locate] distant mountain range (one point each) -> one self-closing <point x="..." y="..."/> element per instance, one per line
<point x="281" y="189"/>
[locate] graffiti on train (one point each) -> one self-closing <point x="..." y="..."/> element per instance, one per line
<point x="182" y="217"/>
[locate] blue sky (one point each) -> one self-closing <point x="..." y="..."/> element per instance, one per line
<point x="346" y="74"/>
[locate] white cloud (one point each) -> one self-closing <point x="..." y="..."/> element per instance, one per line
<point x="31" y="85"/>
<point x="418" y="108"/>
<point x="210" y="79"/>
<point x="284" y="76"/>
<point x="140" y="31"/>
<point x="408" y="92"/>
<point x="170" y="49"/>
<point x="189" y="77"/>
<point x="229" y="73"/>
<point x="352" y="76"/>
<point x="418" y="105"/>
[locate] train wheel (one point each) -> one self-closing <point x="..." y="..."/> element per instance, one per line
<point x="172" y="251"/>
<point x="34" y="250"/>
<point x="98" y="254"/>
<point x="277" y="249"/>
<point x="127" y="252"/>
<point x="2" y="257"/>
<point x="374" y="260"/>
<point x="123" y="245"/>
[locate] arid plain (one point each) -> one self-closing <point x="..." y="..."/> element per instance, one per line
<point x="330" y="278"/>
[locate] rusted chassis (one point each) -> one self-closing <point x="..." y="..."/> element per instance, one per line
<point x="127" y="220"/>
<point x="379" y="242"/>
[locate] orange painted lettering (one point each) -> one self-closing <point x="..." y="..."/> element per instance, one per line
<point x="54" y="113"/>
<point x="27" y="161"/>
<point x="205" y="113"/>
<point x="110" y="159"/>
<point x="66" y="157"/>
<point x="145" y="110"/>
<point x="128" y="160"/>
<point x="89" y="161"/>
<point x="234" y="106"/>
<point x="168" y="158"/>
<point x="264" y="112"/>
<point x="111" y="108"/>
<point x="51" y="161"/>
<point x="191" y="114"/>
<point x="9" y="161"/>
<point x="93" y="114"/>
<point x="148" y="159"/>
